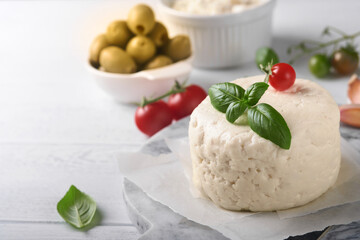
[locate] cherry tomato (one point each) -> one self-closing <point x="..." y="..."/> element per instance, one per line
<point x="182" y="104"/>
<point x="153" y="117"/>
<point x="319" y="65"/>
<point x="345" y="60"/>
<point x="283" y="76"/>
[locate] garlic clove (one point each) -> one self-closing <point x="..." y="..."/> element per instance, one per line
<point x="354" y="89"/>
<point x="350" y="114"/>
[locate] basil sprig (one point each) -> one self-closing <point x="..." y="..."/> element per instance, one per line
<point x="255" y="92"/>
<point x="234" y="101"/>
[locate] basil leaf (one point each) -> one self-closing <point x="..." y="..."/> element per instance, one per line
<point x="223" y="94"/>
<point x="76" y="208"/>
<point x="235" y="110"/>
<point x="269" y="124"/>
<point x="255" y="92"/>
<point x="242" y="120"/>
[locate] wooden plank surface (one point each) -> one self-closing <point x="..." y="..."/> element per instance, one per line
<point x="30" y="194"/>
<point x="61" y="231"/>
<point x="56" y="127"/>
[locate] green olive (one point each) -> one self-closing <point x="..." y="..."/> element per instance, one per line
<point x="114" y="59"/>
<point x="98" y="44"/>
<point x="141" y="48"/>
<point x="178" y="48"/>
<point x="118" y="33"/>
<point x="159" y="34"/>
<point x="141" y="19"/>
<point x="158" y="61"/>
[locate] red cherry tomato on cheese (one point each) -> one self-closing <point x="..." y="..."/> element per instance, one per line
<point x="283" y="76"/>
<point x="182" y="104"/>
<point x="153" y="117"/>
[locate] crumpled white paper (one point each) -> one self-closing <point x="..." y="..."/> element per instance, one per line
<point x="344" y="190"/>
<point x="166" y="179"/>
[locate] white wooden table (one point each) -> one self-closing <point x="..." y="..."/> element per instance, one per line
<point x="57" y="128"/>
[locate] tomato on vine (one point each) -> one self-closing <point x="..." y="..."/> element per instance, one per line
<point x="319" y="65"/>
<point x="153" y="117"/>
<point x="182" y="104"/>
<point x="280" y="76"/>
<point x="345" y="60"/>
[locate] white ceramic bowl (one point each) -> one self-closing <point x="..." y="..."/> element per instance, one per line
<point x="224" y="40"/>
<point x="131" y="88"/>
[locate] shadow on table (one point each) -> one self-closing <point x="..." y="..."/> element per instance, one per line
<point x="96" y="221"/>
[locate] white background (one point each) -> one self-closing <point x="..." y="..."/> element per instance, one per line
<point x="57" y="128"/>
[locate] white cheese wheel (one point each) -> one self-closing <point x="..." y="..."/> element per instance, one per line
<point x="239" y="170"/>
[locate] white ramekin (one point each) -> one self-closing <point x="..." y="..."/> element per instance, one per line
<point x="224" y="40"/>
<point x="131" y="88"/>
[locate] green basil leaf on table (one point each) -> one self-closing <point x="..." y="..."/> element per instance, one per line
<point x="269" y="124"/>
<point x="76" y="208"/>
<point x="235" y="110"/>
<point x="255" y="92"/>
<point x="223" y="94"/>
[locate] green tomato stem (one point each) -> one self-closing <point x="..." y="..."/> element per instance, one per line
<point x="267" y="71"/>
<point x="320" y="46"/>
<point x="177" y="88"/>
<point x="338" y="31"/>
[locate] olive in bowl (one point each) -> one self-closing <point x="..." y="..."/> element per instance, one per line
<point x="141" y="19"/>
<point x="118" y="33"/>
<point x="178" y="48"/>
<point x="135" y="58"/>
<point x="158" y="62"/>
<point x="98" y="44"/>
<point x="141" y="48"/>
<point x="115" y="60"/>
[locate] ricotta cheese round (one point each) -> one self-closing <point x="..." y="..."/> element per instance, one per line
<point x="239" y="170"/>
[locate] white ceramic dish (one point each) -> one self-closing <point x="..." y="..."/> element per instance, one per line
<point x="131" y="88"/>
<point x="224" y="40"/>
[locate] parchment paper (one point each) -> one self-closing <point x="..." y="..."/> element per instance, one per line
<point x="344" y="191"/>
<point x="165" y="178"/>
